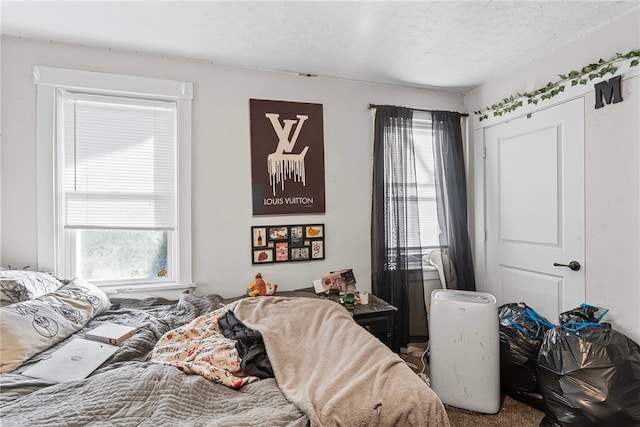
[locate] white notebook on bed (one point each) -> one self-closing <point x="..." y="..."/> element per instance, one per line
<point x="73" y="361"/>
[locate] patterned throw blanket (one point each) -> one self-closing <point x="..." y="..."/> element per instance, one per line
<point x="200" y="347"/>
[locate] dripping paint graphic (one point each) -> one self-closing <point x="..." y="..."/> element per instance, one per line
<point x="287" y="157"/>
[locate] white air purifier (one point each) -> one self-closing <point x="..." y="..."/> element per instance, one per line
<point x="465" y="350"/>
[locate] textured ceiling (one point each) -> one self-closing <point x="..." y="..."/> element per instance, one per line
<point x="449" y="45"/>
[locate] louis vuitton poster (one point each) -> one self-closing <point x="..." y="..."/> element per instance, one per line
<point x="287" y="157"/>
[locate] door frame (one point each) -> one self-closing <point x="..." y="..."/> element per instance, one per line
<point x="476" y="150"/>
<point x="516" y="251"/>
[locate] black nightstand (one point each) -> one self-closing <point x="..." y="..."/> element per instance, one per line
<point x="376" y="317"/>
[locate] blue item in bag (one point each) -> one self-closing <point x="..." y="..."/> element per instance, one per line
<point x="521" y="334"/>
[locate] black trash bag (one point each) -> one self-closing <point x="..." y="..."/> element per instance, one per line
<point x="589" y="374"/>
<point x="521" y="334"/>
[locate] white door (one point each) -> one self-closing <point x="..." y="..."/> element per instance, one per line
<point x="534" y="181"/>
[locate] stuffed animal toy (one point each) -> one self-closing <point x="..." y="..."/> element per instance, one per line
<point x="261" y="287"/>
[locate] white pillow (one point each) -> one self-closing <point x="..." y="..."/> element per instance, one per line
<point x="23" y="285"/>
<point x="32" y="326"/>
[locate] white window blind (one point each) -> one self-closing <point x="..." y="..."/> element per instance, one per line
<point x="119" y="162"/>
<point x="425" y="175"/>
<point x="423" y="232"/>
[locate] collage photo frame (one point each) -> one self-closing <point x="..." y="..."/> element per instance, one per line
<point x="287" y="243"/>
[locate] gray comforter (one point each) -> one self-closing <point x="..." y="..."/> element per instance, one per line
<point x="128" y="390"/>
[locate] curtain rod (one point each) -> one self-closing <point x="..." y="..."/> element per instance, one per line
<point x="418" y="109"/>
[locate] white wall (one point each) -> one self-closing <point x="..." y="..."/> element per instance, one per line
<point x="221" y="174"/>
<point x="612" y="177"/>
<point x="0" y="161"/>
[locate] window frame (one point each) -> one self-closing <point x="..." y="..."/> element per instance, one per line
<point x="51" y="238"/>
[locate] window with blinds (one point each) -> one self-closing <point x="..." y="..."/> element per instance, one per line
<point x="422" y="224"/>
<point x="114" y="178"/>
<point x="118" y="185"/>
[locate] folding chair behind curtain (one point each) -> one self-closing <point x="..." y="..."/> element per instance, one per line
<point x="395" y="214"/>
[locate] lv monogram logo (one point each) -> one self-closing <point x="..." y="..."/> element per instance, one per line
<point x="282" y="164"/>
<point x="284" y="145"/>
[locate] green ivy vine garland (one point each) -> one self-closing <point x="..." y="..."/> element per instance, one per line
<point x="586" y="74"/>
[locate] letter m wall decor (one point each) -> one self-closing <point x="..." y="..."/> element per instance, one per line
<point x="287" y="157"/>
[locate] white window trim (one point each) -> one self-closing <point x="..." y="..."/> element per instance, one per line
<point x="48" y="80"/>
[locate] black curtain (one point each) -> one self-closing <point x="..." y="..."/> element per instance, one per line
<point x="394" y="213"/>
<point x="451" y="199"/>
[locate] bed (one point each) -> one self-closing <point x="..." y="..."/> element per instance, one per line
<point x="326" y="369"/>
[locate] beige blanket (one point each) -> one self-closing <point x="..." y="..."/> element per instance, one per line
<point x="334" y="370"/>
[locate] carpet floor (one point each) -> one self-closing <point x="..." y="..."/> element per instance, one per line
<point x="512" y="412"/>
